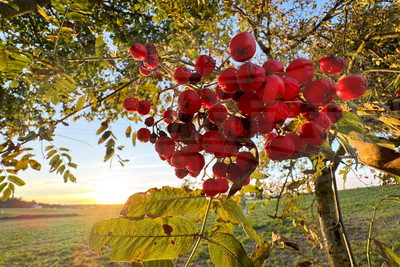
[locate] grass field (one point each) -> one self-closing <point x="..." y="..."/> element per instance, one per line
<point x="63" y="241"/>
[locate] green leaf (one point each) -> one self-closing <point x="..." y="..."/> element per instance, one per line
<point x="2" y="186"/>
<point x="236" y="215"/>
<point x="250" y="188"/>
<point x="103" y="127"/>
<point x="258" y="175"/>
<point x="134" y="139"/>
<point x="261" y="254"/>
<point x="54" y="160"/>
<point x="144" y="240"/>
<point x="80" y="103"/>
<point x="41" y="11"/>
<point x="6" y="194"/>
<point x="14" y="84"/>
<point x="16" y="180"/>
<point x="109" y="153"/>
<point x="128" y="132"/>
<point x="51" y="153"/>
<point x="350" y="122"/>
<point x="160" y="263"/>
<point x="99" y="44"/>
<point x="104" y="137"/>
<point x="388" y="254"/>
<point x="225" y="250"/>
<point x="3" y="58"/>
<point x="65" y="176"/>
<point x="164" y="202"/>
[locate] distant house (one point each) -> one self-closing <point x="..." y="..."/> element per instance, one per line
<point x="37" y="206"/>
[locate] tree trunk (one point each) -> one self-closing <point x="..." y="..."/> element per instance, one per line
<point x="332" y="238"/>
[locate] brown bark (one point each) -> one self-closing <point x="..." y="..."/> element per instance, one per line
<point x="25" y="6"/>
<point x="332" y="238"/>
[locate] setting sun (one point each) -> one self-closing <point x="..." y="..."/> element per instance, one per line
<point x="113" y="192"/>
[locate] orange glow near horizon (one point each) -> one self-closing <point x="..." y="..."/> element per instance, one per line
<point x="110" y="192"/>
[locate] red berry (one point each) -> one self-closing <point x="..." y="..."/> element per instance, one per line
<point x="181" y="75"/>
<point x="294" y="107"/>
<point x="143" y="107"/>
<point x="189" y="102"/>
<point x="143" y="135"/>
<point x="270" y="135"/>
<point x="265" y="123"/>
<point x="187" y="133"/>
<point x="297" y="141"/>
<point x="250" y="77"/>
<point x="219" y="169"/>
<point x="242" y="47"/>
<point x="211" y="187"/>
<point x="246" y="160"/>
<point x="221" y="95"/>
<point x="196" y="163"/>
<point x="208" y="97"/>
<point x="165" y="146"/>
<point x="233" y="127"/>
<point x="217" y="114"/>
<point x="149" y="121"/>
<point x="322" y="120"/>
<point x="169" y="115"/>
<point x="130" y="104"/>
<point x="292" y="88"/>
<point x="332" y="65"/>
<point x="213" y="141"/>
<point x="351" y="87"/>
<point x="301" y="69"/>
<point x="150" y="62"/>
<point x="194" y="78"/>
<point x="138" y="51"/>
<point x="143" y="70"/>
<point x="279" y="148"/>
<point x="320" y="92"/>
<point x="205" y="65"/>
<point x="278" y="111"/>
<point x="151" y="48"/>
<point x="179" y="159"/>
<point x="250" y="104"/>
<point x="181" y="173"/>
<point x="233" y="171"/>
<point x="273" y="65"/>
<point x="223" y="185"/>
<point x="229" y="150"/>
<point x="313" y="133"/>
<point x="227" y="80"/>
<point x="272" y="90"/>
<point x="398" y="94"/>
<point x="333" y="111"/>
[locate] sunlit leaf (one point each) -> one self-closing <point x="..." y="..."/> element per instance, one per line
<point x="16" y="180"/>
<point x="144" y="240"/>
<point x="388" y="254"/>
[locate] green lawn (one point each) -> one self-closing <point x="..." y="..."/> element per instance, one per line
<point x="64" y="241"/>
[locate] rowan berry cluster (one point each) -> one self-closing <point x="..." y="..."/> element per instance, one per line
<point x="249" y="100"/>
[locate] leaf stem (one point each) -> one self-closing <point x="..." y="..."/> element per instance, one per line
<point x="203" y="228"/>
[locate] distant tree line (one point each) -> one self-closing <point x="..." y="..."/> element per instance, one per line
<point x="18" y="202"/>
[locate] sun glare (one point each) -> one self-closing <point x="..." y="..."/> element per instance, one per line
<point x="113" y="192"/>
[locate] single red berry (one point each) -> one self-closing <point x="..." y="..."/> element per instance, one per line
<point x="149" y="121"/>
<point x="130" y="104"/>
<point x="205" y="65"/>
<point x="278" y="111"/>
<point x="271" y="66"/>
<point x="301" y="69"/>
<point x="322" y="119"/>
<point x="272" y="89"/>
<point x="229" y="150"/>
<point x="150" y="62"/>
<point x="320" y="92"/>
<point x="213" y="141"/>
<point x="246" y="160"/>
<point x="221" y="95"/>
<point x="233" y="127"/>
<point x="279" y="148"/>
<point x="223" y="185"/>
<point x="397" y="94"/>
<point x="194" y="78"/>
<point x="294" y="107"/>
<point x="187" y="133"/>
<point x="250" y="77"/>
<point x="292" y="88"/>
<point x="265" y="123"/>
<point x="227" y="80"/>
<point x="332" y="65"/>
<point x="143" y="135"/>
<point x="211" y="187"/>
<point x="333" y="111"/>
<point x="269" y="136"/>
<point x="233" y="171"/>
<point x="143" y="107"/>
<point x="138" y="51"/>
<point x="250" y="104"/>
<point x="181" y="75"/>
<point x="217" y="114"/>
<point x="189" y="102"/>
<point x="297" y="141"/>
<point x="151" y="49"/>
<point x="169" y="116"/>
<point x="196" y="162"/>
<point x="165" y="146"/>
<point x="208" y="97"/>
<point x="143" y="70"/>
<point x="179" y="159"/>
<point x="351" y="87"/>
<point x="242" y="47"/>
<point x="181" y="173"/>
<point x="219" y="169"/>
<point x="313" y="133"/>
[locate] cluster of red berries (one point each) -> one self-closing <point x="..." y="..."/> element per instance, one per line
<point x="248" y="101"/>
<point x="147" y="54"/>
